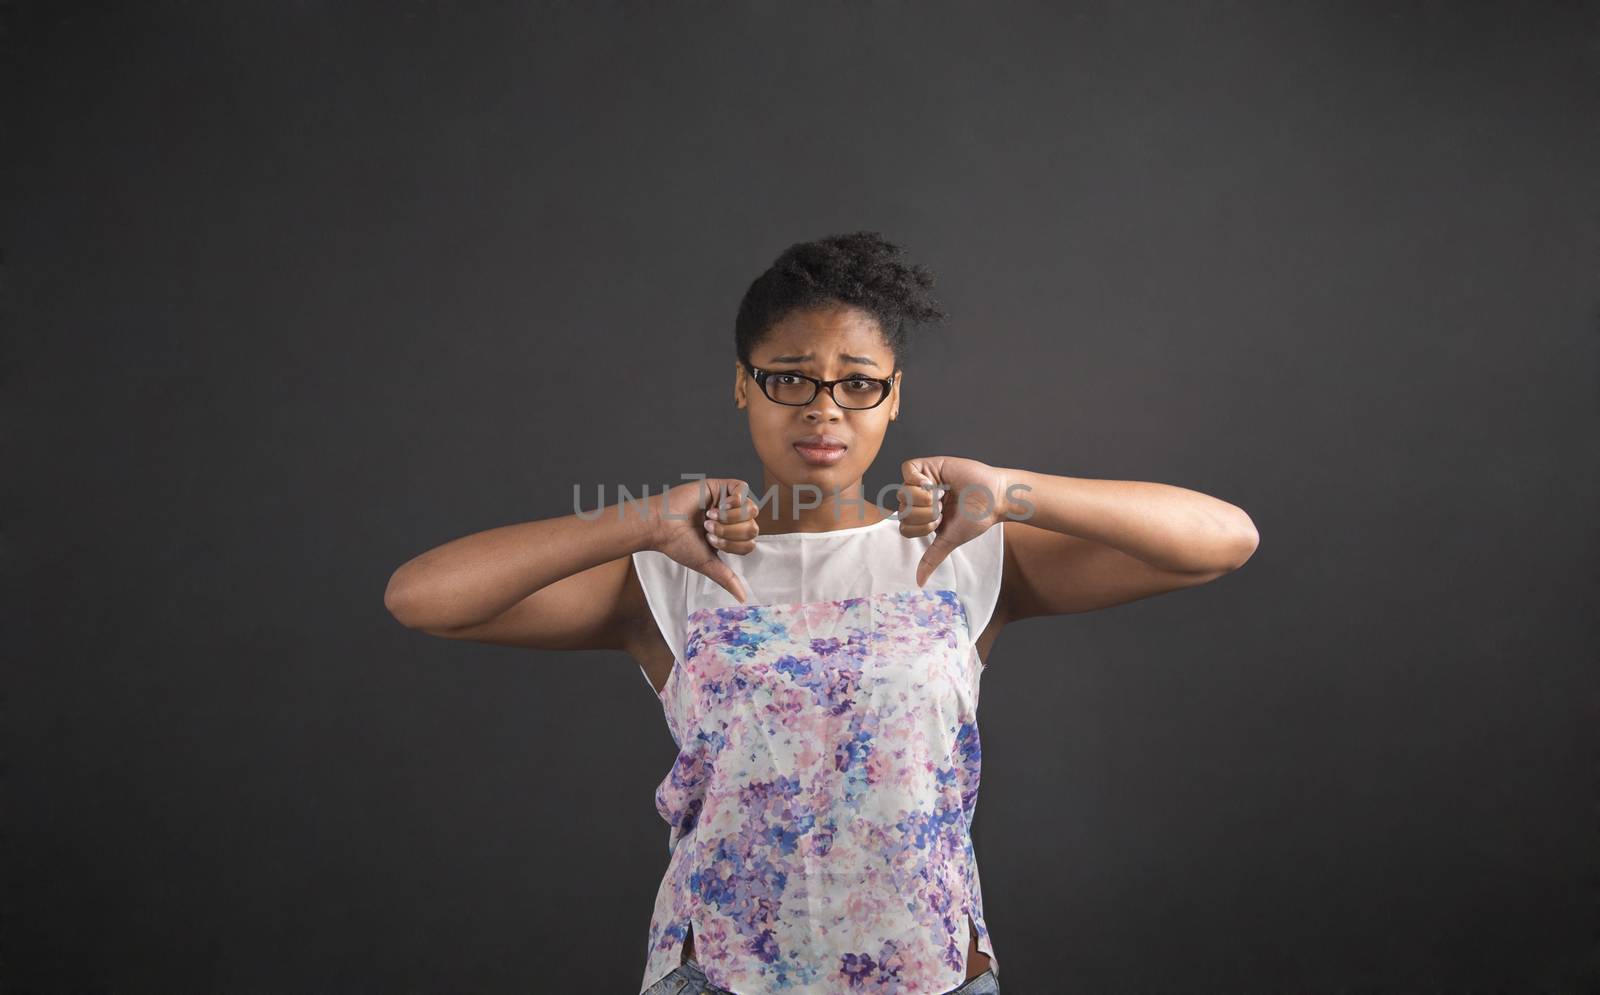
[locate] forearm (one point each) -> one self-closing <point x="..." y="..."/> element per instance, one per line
<point x="1166" y="526"/>
<point x="473" y="579"/>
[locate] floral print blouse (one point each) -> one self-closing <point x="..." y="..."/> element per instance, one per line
<point x="819" y="809"/>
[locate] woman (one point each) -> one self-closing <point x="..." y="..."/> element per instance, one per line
<point x="817" y="659"/>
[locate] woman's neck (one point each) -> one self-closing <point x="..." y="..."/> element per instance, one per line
<point x="825" y="510"/>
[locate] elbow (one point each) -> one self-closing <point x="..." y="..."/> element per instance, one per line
<point x="395" y="600"/>
<point x="1228" y="548"/>
<point x="404" y="601"/>
<point x="423" y="606"/>
<point x="1242" y="545"/>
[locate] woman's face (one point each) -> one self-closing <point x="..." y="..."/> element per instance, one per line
<point x="829" y="344"/>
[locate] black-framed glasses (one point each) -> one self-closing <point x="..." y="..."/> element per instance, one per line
<point x="860" y="391"/>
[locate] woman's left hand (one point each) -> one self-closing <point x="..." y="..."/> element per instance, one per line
<point x="955" y="499"/>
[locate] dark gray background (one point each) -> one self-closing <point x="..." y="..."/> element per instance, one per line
<point x="299" y="290"/>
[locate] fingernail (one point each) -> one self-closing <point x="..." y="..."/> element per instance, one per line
<point x="713" y="513"/>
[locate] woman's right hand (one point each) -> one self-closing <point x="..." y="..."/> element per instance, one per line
<point x="707" y="516"/>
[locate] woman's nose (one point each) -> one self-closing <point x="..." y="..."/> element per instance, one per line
<point x="823" y="406"/>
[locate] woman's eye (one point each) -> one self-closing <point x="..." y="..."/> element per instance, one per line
<point x="860" y="386"/>
<point x="787" y="379"/>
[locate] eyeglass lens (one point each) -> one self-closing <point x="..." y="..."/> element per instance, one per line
<point x="855" y="393"/>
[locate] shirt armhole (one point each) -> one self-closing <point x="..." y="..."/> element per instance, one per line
<point x="987" y="562"/>
<point x="662" y="580"/>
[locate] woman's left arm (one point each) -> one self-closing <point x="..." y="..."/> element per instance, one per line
<point x="1075" y="544"/>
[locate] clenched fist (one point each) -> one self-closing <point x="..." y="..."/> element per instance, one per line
<point x="692" y="522"/>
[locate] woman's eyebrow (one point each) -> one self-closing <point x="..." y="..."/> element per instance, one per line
<point x="861" y="360"/>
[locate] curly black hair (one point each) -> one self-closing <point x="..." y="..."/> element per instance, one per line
<point x="859" y="269"/>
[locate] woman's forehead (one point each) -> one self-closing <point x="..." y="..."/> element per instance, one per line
<point x="821" y="338"/>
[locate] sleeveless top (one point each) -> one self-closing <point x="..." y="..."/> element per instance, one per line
<point x="820" y="807"/>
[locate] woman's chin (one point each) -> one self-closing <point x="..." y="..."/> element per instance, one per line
<point x="813" y="473"/>
<point x="798" y="471"/>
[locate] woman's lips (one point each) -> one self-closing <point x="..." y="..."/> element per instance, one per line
<point x="819" y="455"/>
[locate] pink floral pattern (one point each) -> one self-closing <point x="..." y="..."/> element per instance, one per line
<point x="821" y="803"/>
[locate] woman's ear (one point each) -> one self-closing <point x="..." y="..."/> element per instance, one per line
<point x="738" y="384"/>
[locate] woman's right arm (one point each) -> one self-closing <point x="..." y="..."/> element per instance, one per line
<point x="568" y="582"/>
<point x="556" y="583"/>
